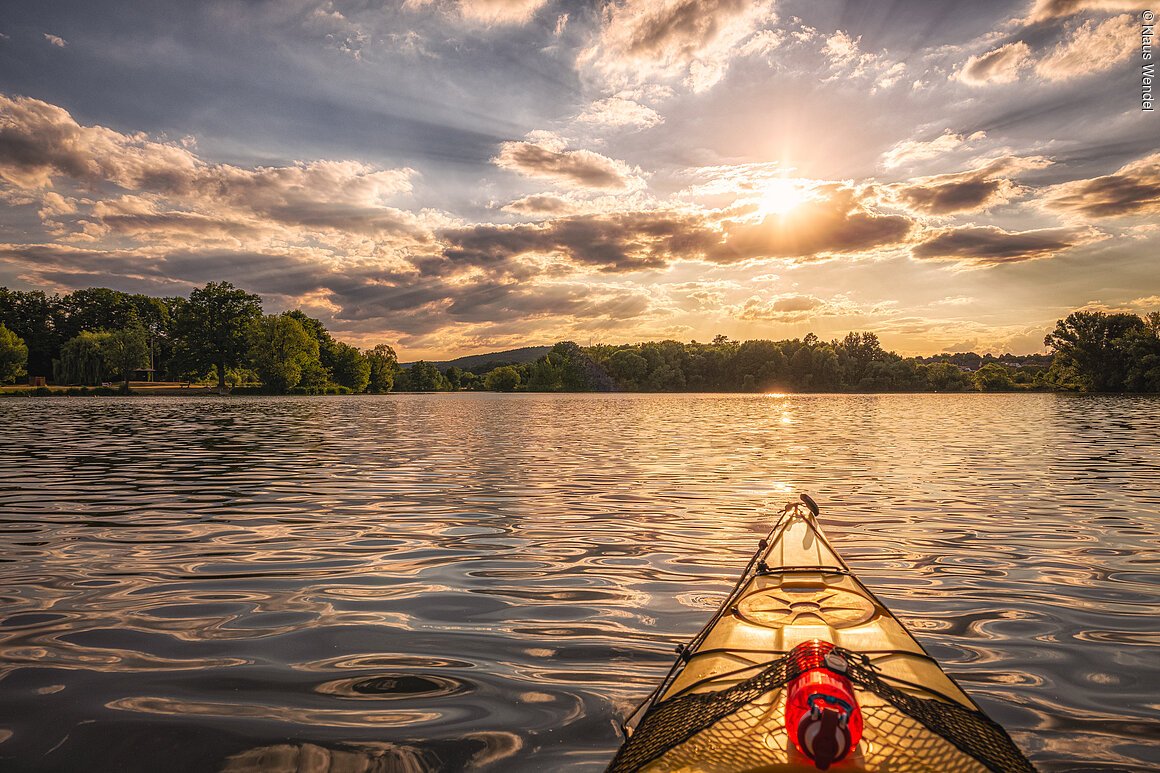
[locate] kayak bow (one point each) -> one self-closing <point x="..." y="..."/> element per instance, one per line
<point x="802" y="668"/>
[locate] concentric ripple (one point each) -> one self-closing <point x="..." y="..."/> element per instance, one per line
<point x="478" y="581"/>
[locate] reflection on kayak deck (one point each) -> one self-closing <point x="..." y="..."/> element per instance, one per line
<point x="800" y="651"/>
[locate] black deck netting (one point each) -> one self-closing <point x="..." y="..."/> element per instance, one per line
<point x="927" y="734"/>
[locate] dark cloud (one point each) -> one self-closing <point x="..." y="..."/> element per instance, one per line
<point x="360" y="297"/>
<point x="540" y="205"/>
<point x="617" y="242"/>
<point x="575" y="168"/>
<point x="1133" y="189"/>
<point x="836" y="221"/>
<point x="988" y="245"/>
<point x="957" y="196"/>
<point x="966" y="191"/>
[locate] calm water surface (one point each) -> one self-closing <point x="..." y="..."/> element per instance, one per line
<point x="478" y="581"/>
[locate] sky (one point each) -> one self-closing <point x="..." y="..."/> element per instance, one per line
<point x="460" y="176"/>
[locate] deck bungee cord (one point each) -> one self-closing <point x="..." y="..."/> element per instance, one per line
<point x="802" y="668"/>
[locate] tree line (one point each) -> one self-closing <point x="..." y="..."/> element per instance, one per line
<point x="1091" y="352"/>
<point x="219" y="334"/>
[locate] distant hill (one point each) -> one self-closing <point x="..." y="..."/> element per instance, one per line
<point x="473" y="362"/>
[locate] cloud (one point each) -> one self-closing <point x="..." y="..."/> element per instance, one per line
<point x="911" y="151"/>
<point x="546" y="158"/>
<point x="490" y="12"/>
<point x="802" y="307"/>
<point x="731" y="180"/>
<point x="39" y="141"/>
<point x="484" y="12"/>
<point x="618" y="112"/>
<point x="992" y="246"/>
<point x="1091" y="48"/>
<point x="848" y="61"/>
<point x="42" y="146"/>
<point x="970" y="191"/>
<point x="541" y="204"/>
<point x="835" y="220"/>
<point x="1045" y="10"/>
<point x="842" y="52"/>
<point x="340" y="33"/>
<point x="781" y="308"/>
<point x="621" y="242"/>
<point x="762" y="43"/>
<point x="354" y="298"/>
<point x="1002" y="65"/>
<point x="56" y="40"/>
<point x="1133" y="189"/>
<point x="693" y="40"/>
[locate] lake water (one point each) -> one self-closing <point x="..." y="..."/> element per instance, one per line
<point x="483" y="581"/>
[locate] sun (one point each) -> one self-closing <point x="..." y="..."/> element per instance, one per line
<point x="779" y="196"/>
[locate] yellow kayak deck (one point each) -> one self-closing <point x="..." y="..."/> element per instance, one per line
<point x="797" y="589"/>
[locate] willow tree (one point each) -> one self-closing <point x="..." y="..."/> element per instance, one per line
<point x="383" y="366"/>
<point x="13" y="356"/>
<point x="125" y="351"/>
<point x="82" y="360"/>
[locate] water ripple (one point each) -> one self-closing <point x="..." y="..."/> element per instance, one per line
<point x="463" y="582"/>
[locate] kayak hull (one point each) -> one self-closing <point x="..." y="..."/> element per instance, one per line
<point x="722" y="706"/>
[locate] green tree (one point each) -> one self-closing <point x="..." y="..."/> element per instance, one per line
<point x="383" y="366"/>
<point x="328" y="348"/>
<point x="827" y="370"/>
<point x="454" y="375"/>
<point x="422" y="377"/>
<point x="212" y="328"/>
<point x="124" y="351"/>
<point x="13" y="356"/>
<point x="627" y="367"/>
<point x="945" y="377"/>
<point x="993" y="377"/>
<point x="350" y="368"/>
<point x="96" y="309"/>
<point x="34" y="317"/>
<point x="281" y="351"/>
<point x="801" y="367"/>
<point x="546" y="374"/>
<point x="1094" y="349"/>
<point x="1143" y="347"/>
<point x="504" y="379"/>
<point x="759" y="365"/>
<point x="82" y="360"/>
<point x="855" y="354"/>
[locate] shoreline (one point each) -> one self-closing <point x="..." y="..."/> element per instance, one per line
<point x="210" y="391"/>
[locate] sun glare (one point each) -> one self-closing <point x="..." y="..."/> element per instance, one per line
<point x="779" y="196"/>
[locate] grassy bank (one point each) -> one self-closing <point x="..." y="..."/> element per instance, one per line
<point x="146" y="388"/>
